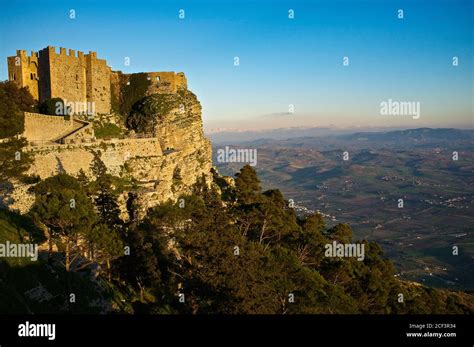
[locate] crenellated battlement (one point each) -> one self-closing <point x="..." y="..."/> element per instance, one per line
<point x="51" y="51"/>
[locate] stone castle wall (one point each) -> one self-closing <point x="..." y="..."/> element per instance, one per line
<point x="24" y="70"/>
<point x="143" y="159"/>
<point x="40" y="127"/>
<point x="67" y="74"/>
<point x="72" y="76"/>
<point x="74" y="157"/>
<point x="44" y="74"/>
<point x="98" y="86"/>
<point x="43" y="129"/>
<point x="166" y="82"/>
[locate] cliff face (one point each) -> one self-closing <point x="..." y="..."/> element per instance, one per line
<point x="186" y="153"/>
<point x="165" y="162"/>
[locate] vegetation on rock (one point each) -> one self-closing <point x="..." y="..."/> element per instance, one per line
<point x="131" y="91"/>
<point x="107" y="130"/>
<point x="152" y="110"/>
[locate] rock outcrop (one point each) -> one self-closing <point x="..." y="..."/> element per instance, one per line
<point x="165" y="162"/>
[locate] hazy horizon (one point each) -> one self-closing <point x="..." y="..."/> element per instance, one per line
<point x="263" y="124"/>
<point x="210" y="130"/>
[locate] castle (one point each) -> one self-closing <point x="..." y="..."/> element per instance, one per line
<point x="79" y="78"/>
<point x="164" y="164"/>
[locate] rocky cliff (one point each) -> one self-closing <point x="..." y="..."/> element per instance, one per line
<point x="165" y="160"/>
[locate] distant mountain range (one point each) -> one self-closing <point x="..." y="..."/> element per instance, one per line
<point x="415" y="135"/>
<point x="234" y="135"/>
<point x="326" y="138"/>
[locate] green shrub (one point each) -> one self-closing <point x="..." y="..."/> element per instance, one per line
<point x="133" y="92"/>
<point x="107" y="131"/>
<point x="49" y="106"/>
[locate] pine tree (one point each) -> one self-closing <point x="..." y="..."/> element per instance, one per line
<point x="62" y="206"/>
<point x="140" y="267"/>
<point x="14" y="162"/>
<point x="13" y="101"/>
<point x="105" y="198"/>
<point x="247" y="185"/>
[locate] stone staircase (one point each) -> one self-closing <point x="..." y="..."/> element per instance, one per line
<point x="79" y="126"/>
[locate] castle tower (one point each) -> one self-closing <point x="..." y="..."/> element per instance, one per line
<point x="98" y="76"/>
<point x="23" y="70"/>
<point x="62" y="75"/>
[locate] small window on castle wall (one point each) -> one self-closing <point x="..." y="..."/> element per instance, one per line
<point x="77" y="77"/>
<point x="31" y="75"/>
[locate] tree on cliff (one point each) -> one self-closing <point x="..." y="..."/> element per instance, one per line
<point x="139" y="267"/>
<point x="254" y="255"/>
<point x="13" y="101"/>
<point x="192" y="257"/>
<point x="215" y="268"/>
<point x="308" y="241"/>
<point x="104" y="246"/>
<point x="64" y="208"/>
<point x="104" y="194"/>
<point x="14" y="162"/>
<point x="247" y="185"/>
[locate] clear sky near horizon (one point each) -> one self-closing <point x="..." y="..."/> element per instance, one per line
<point x="282" y="61"/>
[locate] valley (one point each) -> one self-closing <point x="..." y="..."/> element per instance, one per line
<point x="416" y="166"/>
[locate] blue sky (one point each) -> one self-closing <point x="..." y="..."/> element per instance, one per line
<point x="282" y="61"/>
